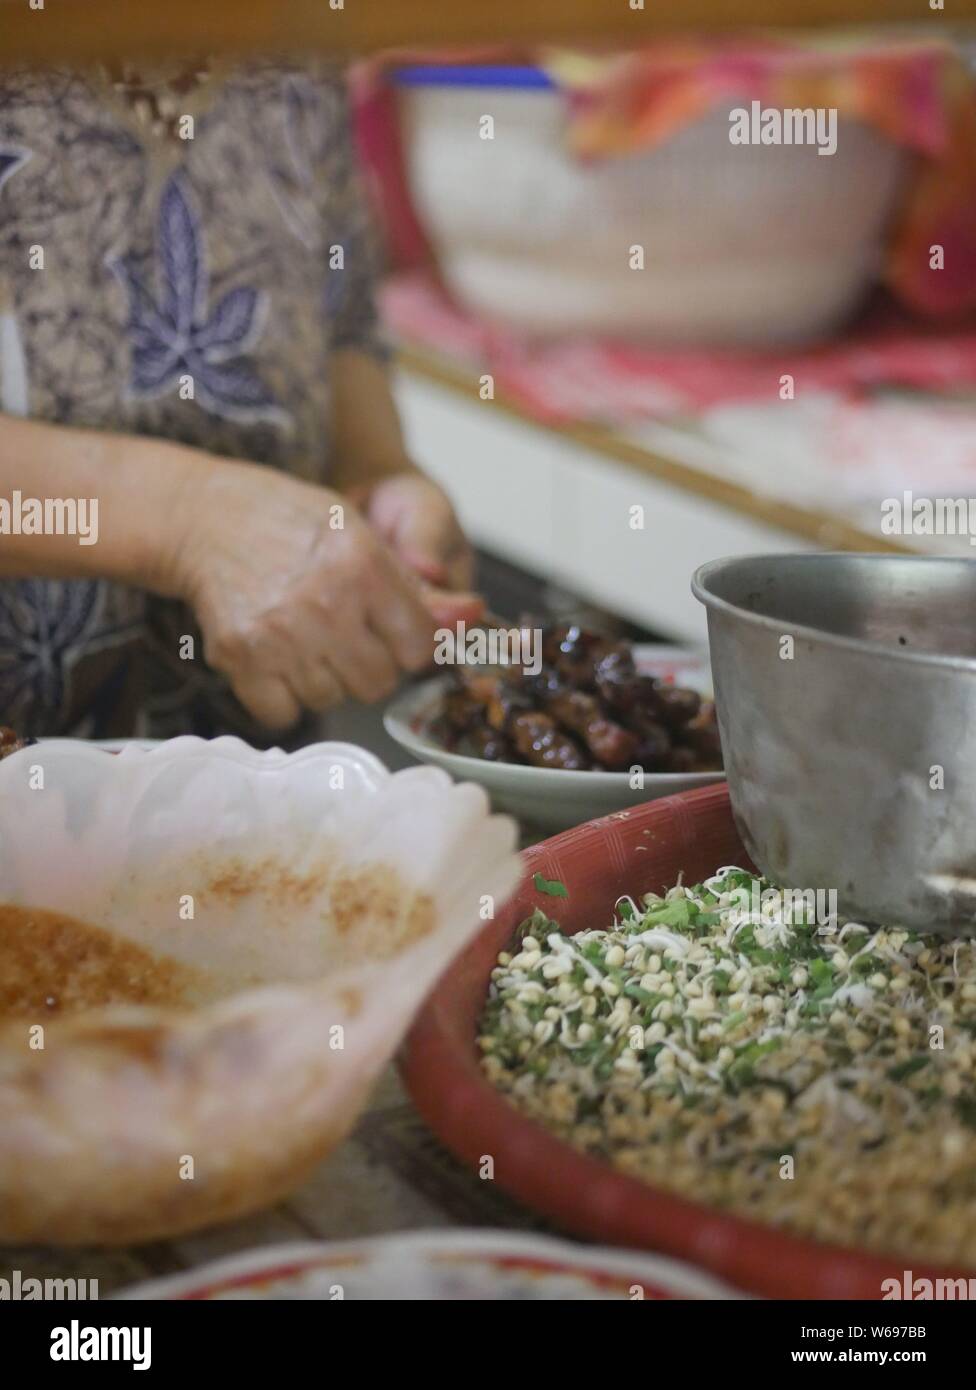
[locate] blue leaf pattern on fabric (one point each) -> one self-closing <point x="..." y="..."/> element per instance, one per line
<point x="230" y="323"/>
<point x="178" y="337"/>
<point x="40" y="622"/>
<point x="10" y="161"/>
<point x="145" y="324"/>
<point x="231" y="387"/>
<point x="153" y="363"/>
<point x="180" y="258"/>
<point x="46" y="627"/>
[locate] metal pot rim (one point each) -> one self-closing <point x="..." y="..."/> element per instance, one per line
<point x="701" y="577"/>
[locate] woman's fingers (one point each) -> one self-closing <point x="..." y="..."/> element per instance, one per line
<point x="417" y="519"/>
<point x="460" y="567"/>
<point x="299" y="613"/>
<point x="302" y="657"/>
<point x="449" y="609"/>
<point x="395" y="609"/>
<point x="267" y="697"/>
<point x="454" y="570"/>
<point x="358" y="658"/>
<point x="318" y="687"/>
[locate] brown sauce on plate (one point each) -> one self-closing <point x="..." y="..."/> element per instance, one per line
<point x="52" y="965"/>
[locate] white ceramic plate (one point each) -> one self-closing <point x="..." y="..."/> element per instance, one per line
<point x="116" y="745"/>
<point x="495" y="1266"/>
<point x="119" y="745"/>
<point x="550" y="798"/>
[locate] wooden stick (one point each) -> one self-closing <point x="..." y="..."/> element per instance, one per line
<point x="82" y="31"/>
<point x="826" y="529"/>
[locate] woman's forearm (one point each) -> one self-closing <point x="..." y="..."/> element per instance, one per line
<point x="79" y="503"/>
<point x="372" y="467"/>
<point x="367" y="439"/>
<point x="87" y="504"/>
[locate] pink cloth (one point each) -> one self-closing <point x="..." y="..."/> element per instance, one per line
<point x="592" y="380"/>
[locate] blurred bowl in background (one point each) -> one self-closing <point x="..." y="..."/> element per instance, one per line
<point x="746" y="245"/>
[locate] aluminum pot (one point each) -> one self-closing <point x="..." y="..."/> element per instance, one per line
<point x="846" y="695"/>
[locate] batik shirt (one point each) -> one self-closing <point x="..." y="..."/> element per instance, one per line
<point x="187" y="288"/>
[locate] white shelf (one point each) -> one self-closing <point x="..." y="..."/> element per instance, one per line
<point x="543" y="500"/>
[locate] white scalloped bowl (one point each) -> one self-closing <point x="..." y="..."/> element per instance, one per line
<point x="327" y="896"/>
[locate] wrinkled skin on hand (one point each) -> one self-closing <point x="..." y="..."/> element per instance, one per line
<point x="302" y="601"/>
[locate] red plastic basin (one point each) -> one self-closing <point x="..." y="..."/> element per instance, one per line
<point x="636" y="851"/>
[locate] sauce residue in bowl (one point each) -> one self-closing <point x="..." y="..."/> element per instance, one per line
<point x="51" y="965"/>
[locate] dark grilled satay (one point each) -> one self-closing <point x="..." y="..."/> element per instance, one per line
<point x="590" y="693"/>
<point x="461" y="710"/>
<point x="507" y="700"/>
<point x="481" y="682"/>
<point x="623" y="688"/>
<point x="559" y="641"/>
<point x="540" y="742"/>
<point x="702" y="737"/>
<point x="460" y="713"/>
<point x="513" y="724"/>
<point x="485" y="742"/>
<point x="612" y="746"/>
<point x="544" y="683"/>
<point x="615" y="664"/>
<point x="489" y="695"/>
<point x="574" y="654"/>
<point x="653" y="710"/>
<point x="681" y="759"/>
<point x="676" y="706"/>
<point x="654" y="748"/>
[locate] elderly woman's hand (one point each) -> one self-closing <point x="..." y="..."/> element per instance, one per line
<point x="417" y="519"/>
<point x="300" y="601"/>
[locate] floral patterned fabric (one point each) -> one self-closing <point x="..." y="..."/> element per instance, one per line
<point x="191" y="289"/>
